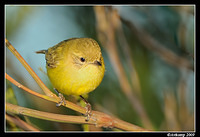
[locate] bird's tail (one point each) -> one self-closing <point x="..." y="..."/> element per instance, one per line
<point x="41" y="51"/>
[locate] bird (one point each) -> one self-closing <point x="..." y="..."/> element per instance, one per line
<point x="75" y="67"/>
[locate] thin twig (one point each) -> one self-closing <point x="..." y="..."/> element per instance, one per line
<point x="29" y="69"/>
<point x="20" y="123"/>
<point x="68" y="103"/>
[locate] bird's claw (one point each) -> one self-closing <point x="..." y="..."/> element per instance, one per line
<point x="62" y="100"/>
<point x="88" y="112"/>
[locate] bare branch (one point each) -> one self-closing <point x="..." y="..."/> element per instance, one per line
<point x="29" y="69"/>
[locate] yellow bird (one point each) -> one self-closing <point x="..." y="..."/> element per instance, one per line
<point x="75" y="67"/>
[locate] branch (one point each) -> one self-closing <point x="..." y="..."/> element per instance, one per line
<point x="99" y="119"/>
<point x="10" y="108"/>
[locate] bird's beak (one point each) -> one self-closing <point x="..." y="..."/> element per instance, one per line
<point x="97" y="63"/>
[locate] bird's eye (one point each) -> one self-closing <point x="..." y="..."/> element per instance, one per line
<point x="82" y="59"/>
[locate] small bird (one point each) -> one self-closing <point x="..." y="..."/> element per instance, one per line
<point x="75" y="67"/>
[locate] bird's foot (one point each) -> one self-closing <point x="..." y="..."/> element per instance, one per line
<point x="62" y="99"/>
<point x="88" y="109"/>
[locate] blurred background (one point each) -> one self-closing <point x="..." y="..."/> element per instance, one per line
<point x="149" y="58"/>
